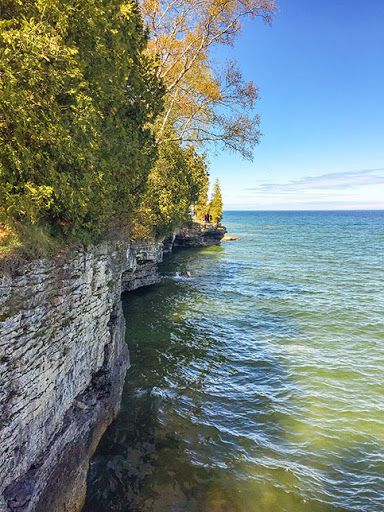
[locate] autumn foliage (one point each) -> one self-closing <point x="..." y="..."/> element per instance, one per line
<point x="106" y="107"/>
<point x="204" y="103"/>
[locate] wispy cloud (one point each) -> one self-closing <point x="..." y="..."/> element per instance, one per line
<point x="332" y="181"/>
<point x="358" y="189"/>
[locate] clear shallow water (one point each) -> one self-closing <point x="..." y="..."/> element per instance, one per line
<point x="257" y="385"/>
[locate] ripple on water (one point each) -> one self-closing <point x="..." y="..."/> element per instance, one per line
<point x="256" y="384"/>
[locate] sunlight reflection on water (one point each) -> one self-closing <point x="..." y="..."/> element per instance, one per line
<point x="256" y="384"/>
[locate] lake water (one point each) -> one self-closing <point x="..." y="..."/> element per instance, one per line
<point x="256" y="385"/>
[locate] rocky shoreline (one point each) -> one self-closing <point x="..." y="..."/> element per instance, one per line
<point x="63" y="360"/>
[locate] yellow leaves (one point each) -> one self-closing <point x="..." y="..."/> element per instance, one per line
<point x="198" y="97"/>
<point x="150" y="7"/>
<point x="42" y="194"/>
<point x="126" y="10"/>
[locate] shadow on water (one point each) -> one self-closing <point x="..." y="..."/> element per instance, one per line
<point x="193" y="433"/>
<point x="131" y="449"/>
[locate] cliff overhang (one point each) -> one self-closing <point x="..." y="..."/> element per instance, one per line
<point x="63" y="360"/>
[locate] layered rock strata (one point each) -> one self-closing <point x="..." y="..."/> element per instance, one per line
<point x="63" y="360"/>
<point x="142" y="267"/>
<point x="199" y="235"/>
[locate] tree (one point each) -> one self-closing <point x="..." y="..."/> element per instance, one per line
<point x="174" y="184"/>
<point x="203" y="103"/>
<point x="216" y="203"/>
<point x="201" y="206"/>
<point x="76" y="97"/>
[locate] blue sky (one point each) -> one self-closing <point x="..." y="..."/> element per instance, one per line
<point x="320" y="70"/>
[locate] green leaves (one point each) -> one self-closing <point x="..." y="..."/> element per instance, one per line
<point x="76" y="94"/>
<point x="174" y="185"/>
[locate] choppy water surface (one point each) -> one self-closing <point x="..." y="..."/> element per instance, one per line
<point x="257" y="385"/>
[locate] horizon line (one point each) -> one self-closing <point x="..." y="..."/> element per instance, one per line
<point x="307" y="210"/>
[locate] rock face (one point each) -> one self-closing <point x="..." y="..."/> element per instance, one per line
<point x="168" y="243"/>
<point x="142" y="266"/>
<point x="63" y="360"/>
<point x="199" y="235"/>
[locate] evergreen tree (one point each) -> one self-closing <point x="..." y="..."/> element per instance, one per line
<point x="175" y="183"/>
<point x="76" y="97"/>
<point x="216" y="203"/>
<point x="201" y="205"/>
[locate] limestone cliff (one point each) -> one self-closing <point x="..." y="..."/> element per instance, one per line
<point x="63" y="360"/>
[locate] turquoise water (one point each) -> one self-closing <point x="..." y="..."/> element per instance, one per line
<point x="256" y="385"/>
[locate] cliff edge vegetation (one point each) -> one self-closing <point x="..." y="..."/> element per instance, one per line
<point x="77" y="96"/>
<point x="106" y="107"/>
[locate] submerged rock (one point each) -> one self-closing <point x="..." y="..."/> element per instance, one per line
<point x="184" y="273"/>
<point x="229" y="238"/>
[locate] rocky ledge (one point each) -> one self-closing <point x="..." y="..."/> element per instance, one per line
<point x="199" y="235"/>
<point x="63" y="360"/>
